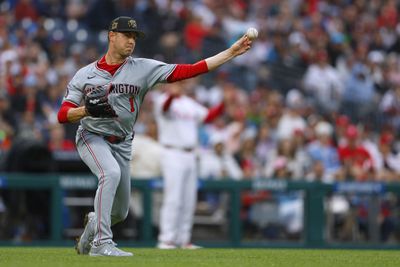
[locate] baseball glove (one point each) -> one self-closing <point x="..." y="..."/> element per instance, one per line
<point x="96" y="103"/>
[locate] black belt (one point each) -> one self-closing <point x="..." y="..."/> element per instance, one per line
<point x="113" y="139"/>
<point x="186" y="149"/>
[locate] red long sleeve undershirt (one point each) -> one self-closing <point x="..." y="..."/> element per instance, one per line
<point x="186" y="71"/>
<point x="62" y="113"/>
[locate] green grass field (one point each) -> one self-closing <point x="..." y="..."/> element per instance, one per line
<point x="52" y="257"/>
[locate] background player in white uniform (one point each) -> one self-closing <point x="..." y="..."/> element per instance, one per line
<point x="178" y="118"/>
<point x="113" y="89"/>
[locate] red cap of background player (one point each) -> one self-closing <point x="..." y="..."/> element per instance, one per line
<point x="351" y="131"/>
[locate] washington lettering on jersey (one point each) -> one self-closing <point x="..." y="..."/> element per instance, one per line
<point x="124" y="88"/>
<point x="128" y="89"/>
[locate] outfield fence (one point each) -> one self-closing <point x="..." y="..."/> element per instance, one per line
<point x="314" y="203"/>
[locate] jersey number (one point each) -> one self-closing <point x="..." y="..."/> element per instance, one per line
<point x="132" y="102"/>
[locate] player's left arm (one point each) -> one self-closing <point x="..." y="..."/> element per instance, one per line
<point x="186" y="71"/>
<point x="70" y="113"/>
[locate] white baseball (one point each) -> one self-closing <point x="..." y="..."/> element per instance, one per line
<point x="252" y="33"/>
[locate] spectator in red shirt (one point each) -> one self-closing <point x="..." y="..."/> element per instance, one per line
<point x="194" y="33"/>
<point x="57" y="140"/>
<point x="388" y="16"/>
<point x="26" y="9"/>
<point x="355" y="158"/>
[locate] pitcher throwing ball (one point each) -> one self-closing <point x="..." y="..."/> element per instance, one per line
<point x="105" y="96"/>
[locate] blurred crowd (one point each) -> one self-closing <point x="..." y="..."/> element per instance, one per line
<point x="317" y="98"/>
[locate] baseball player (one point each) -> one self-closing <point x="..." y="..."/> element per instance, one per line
<point x="178" y="117"/>
<point x="112" y="90"/>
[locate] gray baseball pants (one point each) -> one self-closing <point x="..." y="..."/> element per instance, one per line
<point x="111" y="165"/>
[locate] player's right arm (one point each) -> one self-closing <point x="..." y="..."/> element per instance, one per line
<point x="239" y="47"/>
<point x="186" y="71"/>
<point x="162" y="72"/>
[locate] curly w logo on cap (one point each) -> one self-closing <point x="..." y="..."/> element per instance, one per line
<point x="132" y="23"/>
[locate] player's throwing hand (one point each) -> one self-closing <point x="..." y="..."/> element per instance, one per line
<point x="241" y="46"/>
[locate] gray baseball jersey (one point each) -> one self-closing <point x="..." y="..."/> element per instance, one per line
<point x="129" y="85"/>
<point x="110" y="161"/>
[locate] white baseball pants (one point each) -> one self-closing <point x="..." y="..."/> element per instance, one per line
<point x="180" y="196"/>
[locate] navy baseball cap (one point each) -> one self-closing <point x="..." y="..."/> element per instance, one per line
<point x="125" y="24"/>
